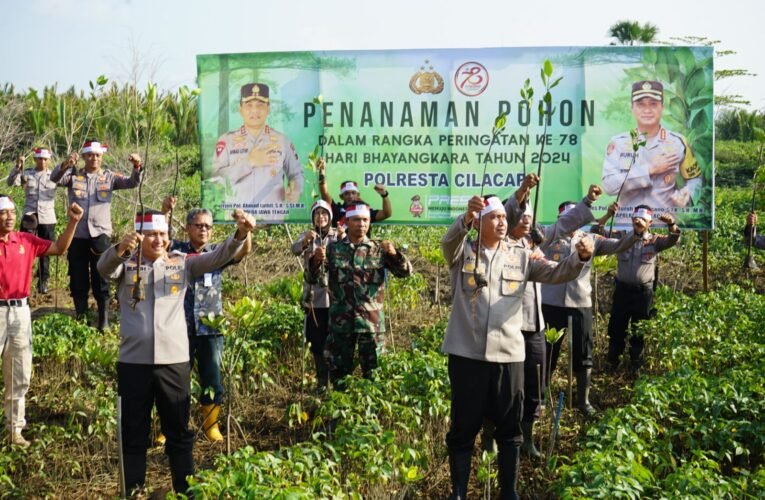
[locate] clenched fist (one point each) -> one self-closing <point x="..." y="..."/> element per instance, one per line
<point x="585" y="248"/>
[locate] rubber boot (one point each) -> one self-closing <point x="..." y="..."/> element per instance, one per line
<point x="487" y="436"/>
<point x="181" y="466"/>
<point x="80" y="308"/>
<point x="459" y="468"/>
<point x="583" y="379"/>
<point x="322" y="372"/>
<point x="135" y="471"/>
<point x="528" y="446"/>
<point x="103" y="314"/>
<point x="210" y="415"/>
<point x="508" y="463"/>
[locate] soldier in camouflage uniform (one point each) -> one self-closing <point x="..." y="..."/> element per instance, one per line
<point x="356" y="269"/>
<point x="256" y="159"/>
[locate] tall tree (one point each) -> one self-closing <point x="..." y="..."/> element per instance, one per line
<point x="629" y="32"/>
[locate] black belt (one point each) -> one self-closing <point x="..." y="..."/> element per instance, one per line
<point x="635" y="288"/>
<point x="14" y="302"/>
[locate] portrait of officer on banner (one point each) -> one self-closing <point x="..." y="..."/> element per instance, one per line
<point x="260" y="163"/>
<point x="663" y="172"/>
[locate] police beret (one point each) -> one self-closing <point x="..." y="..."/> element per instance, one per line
<point x="647" y="88"/>
<point x="254" y="91"/>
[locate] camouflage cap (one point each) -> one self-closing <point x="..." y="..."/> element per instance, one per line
<point x="647" y="88"/>
<point x="254" y="91"/>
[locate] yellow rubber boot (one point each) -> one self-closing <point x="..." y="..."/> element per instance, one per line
<point x="210" y="415"/>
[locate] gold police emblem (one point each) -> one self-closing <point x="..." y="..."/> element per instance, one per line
<point x="471" y="281"/>
<point x="174" y="290"/>
<point x="175" y="276"/>
<point x="511" y="286"/>
<point x="646" y="85"/>
<point x="426" y="82"/>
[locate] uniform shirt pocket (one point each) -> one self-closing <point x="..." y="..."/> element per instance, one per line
<point x="512" y="282"/>
<point x="104" y="193"/>
<point x="175" y="282"/>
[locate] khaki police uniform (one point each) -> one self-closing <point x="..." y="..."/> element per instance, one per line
<point x="39" y="207"/>
<point x="485" y="345"/>
<point x="154" y="353"/>
<point x="93" y="192"/>
<point x="641" y="188"/>
<point x="633" y="293"/>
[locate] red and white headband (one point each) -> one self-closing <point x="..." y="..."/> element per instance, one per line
<point x="6" y="203"/>
<point x="42" y="153"/>
<point x="94" y="147"/>
<point x="491" y="204"/>
<point x="357" y="211"/>
<point x="348" y="186"/>
<point x="151" y="222"/>
<point x="643" y="213"/>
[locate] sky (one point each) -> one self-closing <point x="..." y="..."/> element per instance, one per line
<point x="70" y="42"/>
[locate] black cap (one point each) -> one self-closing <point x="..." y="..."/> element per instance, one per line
<point x="254" y="91"/>
<point x="647" y="88"/>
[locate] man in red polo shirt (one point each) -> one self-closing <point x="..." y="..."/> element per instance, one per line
<point x="17" y="254"/>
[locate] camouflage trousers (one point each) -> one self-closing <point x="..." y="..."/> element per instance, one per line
<point x="340" y="348"/>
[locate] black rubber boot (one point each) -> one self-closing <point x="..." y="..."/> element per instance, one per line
<point x="459" y="468"/>
<point x="181" y="466"/>
<point x="103" y="314"/>
<point x="80" y="308"/>
<point x="583" y="380"/>
<point x="135" y="471"/>
<point x="487" y="436"/>
<point x="322" y="371"/>
<point x="509" y="462"/>
<point x="528" y="446"/>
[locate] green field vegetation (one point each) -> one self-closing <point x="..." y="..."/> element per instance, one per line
<point x="690" y="427"/>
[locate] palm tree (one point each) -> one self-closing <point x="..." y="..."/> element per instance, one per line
<point x="629" y="32"/>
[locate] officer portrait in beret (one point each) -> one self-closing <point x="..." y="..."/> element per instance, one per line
<point x="663" y="173"/>
<point x="260" y="163"/>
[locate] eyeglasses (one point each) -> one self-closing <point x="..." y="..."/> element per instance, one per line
<point x="207" y="227"/>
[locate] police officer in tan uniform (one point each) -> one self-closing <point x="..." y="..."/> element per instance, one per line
<point x="483" y="338"/>
<point x="634" y="286"/>
<point x="664" y="173"/>
<point x="92" y="188"/>
<point x="257" y="160"/>
<point x="39" y="212"/>
<point x="153" y="367"/>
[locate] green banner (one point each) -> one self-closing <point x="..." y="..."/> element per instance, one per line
<point x="636" y="120"/>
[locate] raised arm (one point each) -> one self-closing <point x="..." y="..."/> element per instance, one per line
<point x="62" y="173"/>
<point x="121" y="182"/>
<point x="14" y="177"/>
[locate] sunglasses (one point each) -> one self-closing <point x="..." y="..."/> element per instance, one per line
<point x="208" y="227"/>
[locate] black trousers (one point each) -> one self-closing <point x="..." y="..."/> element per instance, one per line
<point x="581" y="330"/>
<point x="483" y="389"/>
<point x="317" y="328"/>
<point x="83" y="274"/>
<point x="46" y="232"/>
<point x="631" y="305"/>
<point x="534" y="379"/>
<point x="167" y="386"/>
